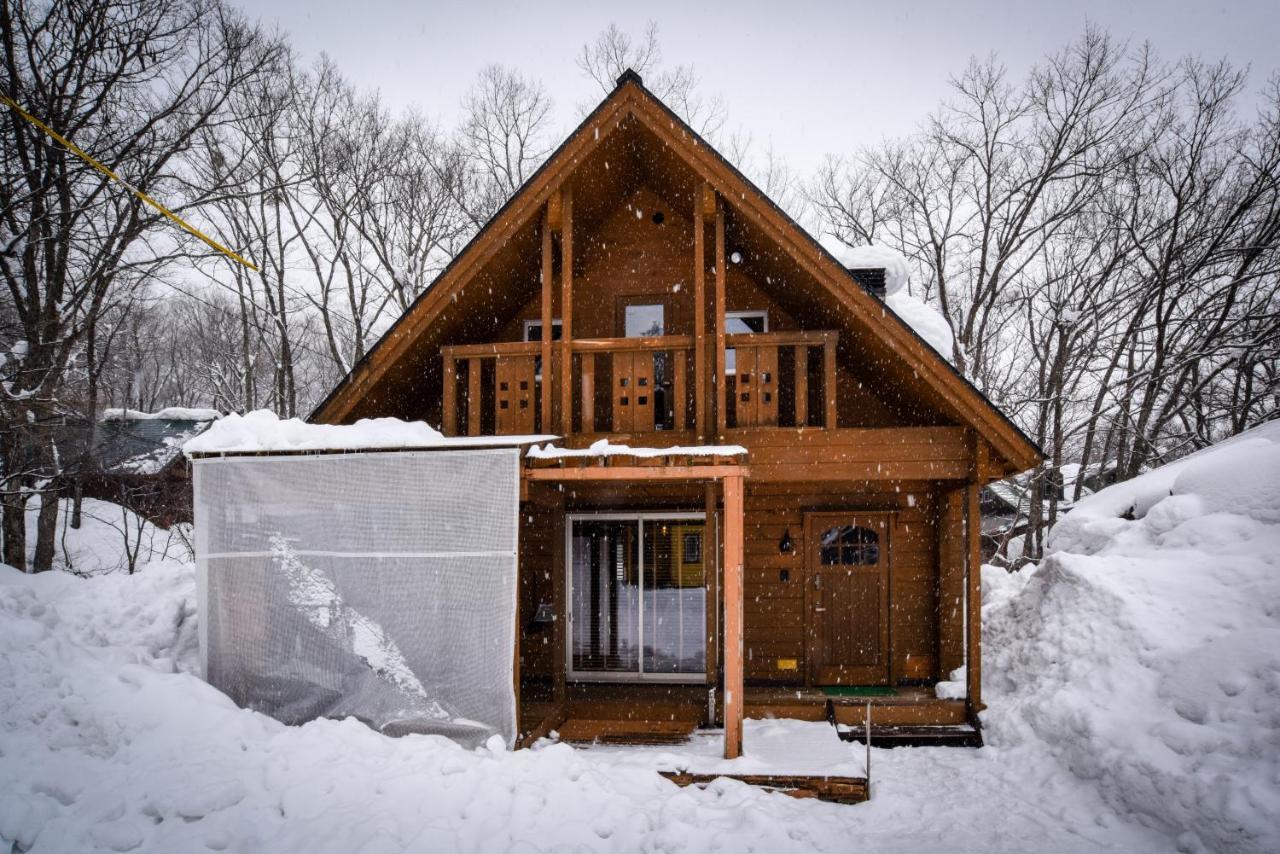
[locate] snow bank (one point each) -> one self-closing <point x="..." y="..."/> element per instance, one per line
<point x="1145" y="653"/>
<point x="110" y="742"/>
<point x="604" y="448"/>
<point x="263" y="430"/>
<point x="172" y="413"/>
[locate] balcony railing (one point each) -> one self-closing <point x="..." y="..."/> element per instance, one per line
<point x="640" y="385"/>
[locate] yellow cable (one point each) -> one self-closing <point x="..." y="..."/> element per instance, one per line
<point x="75" y="149"/>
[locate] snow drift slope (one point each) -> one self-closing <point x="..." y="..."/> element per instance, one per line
<point x="1145" y="653"/>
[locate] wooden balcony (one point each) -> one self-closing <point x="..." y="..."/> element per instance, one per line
<point x="640" y="385"/>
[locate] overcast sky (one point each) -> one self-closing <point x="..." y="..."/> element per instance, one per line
<point x="812" y="78"/>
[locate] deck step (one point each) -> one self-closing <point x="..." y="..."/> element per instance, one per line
<point x="914" y="736"/>
<point x="601" y="731"/>
<point x="839" y="790"/>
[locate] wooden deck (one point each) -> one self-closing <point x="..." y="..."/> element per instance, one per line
<point x="839" y="790"/>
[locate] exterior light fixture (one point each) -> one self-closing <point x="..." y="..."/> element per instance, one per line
<point x="785" y="545"/>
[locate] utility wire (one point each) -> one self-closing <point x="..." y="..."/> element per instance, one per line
<point x="86" y="157"/>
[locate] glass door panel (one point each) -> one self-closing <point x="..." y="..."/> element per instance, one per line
<point x="675" y="597"/>
<point x="606" y="596"/>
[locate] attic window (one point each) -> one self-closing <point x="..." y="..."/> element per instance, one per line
<point x="658" y="217"/>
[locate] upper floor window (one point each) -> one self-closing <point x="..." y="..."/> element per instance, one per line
<point x="533" y="330"/>
<point x="849" y="545"/>
<point x="644" y="321"/>
<point x="740" y="322"/>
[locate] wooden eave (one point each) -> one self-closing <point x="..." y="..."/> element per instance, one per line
<point x="1011" y="447"/>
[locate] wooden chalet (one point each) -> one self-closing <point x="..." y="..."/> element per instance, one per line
<point x="639" y="289"/>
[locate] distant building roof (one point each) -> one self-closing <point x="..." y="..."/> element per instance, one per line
<point x="130" y="442"/>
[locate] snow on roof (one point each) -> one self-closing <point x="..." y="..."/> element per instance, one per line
<point x="926" y="320"/>
<point x="263" y="430"/>
<point x="170" y="413"/>
<point x="604" y="448"/>
<point x="871" y="257"/>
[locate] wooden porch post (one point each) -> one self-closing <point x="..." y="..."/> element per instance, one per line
<point x="566" y="313"/>
<point x="700" y="315"/>
<point x="547" y="287"/>
<point x="733" y="592"/>
<point x="719" y="379"/>
<point x="448" y="399"/>
<point x="973" y="559"/>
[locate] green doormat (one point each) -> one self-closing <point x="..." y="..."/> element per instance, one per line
<point x="858" y="691"/>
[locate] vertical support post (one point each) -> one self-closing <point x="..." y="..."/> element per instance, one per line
<point x="829" y="382"/>
<point x="677" y="391"/>
<point x="733" y="593"/>
<point x="473" y="397"/>
<point x="547" y="289"/>
<point x="802" y="385"/>
<point x="973" y="560"/>
<point x="449" y="395"/>
<point x="566" y="313"/>
<point x="711" y="578"/>
<point x="559" y="598"/>
<point x="700" y="315"/>
<point x="721" y="410"/>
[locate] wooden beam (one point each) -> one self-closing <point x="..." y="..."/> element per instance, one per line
<point x="973" y="535"/>
<point x="802" y="385"/>
<point x="678" y="391"/>
<point x="448" y="399"/>
<point x="707" y="201"/>
<point x="711" y="575"/>
<point x="473" y="397"/>
<point x="637" y="473"/>
<point x="718" y="380"/>
<point x="829" y="383"/>
<point x="559" y="585"/>
<point x="700" y="319"/>
<point x="566" y="315"/>
<point x="733" y="594"/>
<point x="548" y="285"/>
<point x="555" y="212"/>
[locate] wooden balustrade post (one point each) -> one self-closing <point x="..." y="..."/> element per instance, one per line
<point x="448" y="398"/>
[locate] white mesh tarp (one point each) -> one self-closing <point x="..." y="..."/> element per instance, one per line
<point x="375" y="585"/>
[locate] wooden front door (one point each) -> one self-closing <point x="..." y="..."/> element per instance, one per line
<point x="848" y="598"/>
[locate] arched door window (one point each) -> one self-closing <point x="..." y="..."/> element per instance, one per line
<point x="850" y="545"/>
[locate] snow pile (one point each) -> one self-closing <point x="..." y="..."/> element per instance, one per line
<point x="604" y="448"/>
<point x="927" y="322"/>
<point x="170" y="413"/>
<point x="110" y="742"/>
<point x="1145" y="652"/>
<point x="263" y="430"/>
<point x="872" y="257"/>
<point x="109" y="534"/>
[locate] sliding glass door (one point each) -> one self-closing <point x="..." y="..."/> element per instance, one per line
<point x="637" y="596"/>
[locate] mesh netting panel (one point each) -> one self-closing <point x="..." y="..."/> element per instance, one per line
<point x="380" y="586"/>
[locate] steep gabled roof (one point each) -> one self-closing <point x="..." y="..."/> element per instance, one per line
<point x="630" y="99"/>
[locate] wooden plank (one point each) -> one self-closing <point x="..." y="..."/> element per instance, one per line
<point x="548" y="284"/>
<point x="746" y="401"/>
<point x="473" y="397"/>
<point x="838" y="790"/>
<point x="973" y="537"/>
<point x="588" y="381"/>
<point x="566" y="314"/>
<point x="711" y="567"/>
<point x="733" y="646"/>
<point x="448" y="400"/>
<point x="719" y="379"/>
<point x="677" y="390"/>
<point x="829" y="383"/>
<point x="623" y="345"/>
<point x="802" y="384"/>
<point x="700" y="319"/>
<point x="767" y="385"/>
<point x="623" y="392"/>
<point x="637" y="473"/>
<point x="952" y="560"/>
<point x="636" y="731"/>
<point x="559" y="598"/>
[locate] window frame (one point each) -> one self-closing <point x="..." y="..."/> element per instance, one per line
<point x="730" y="361"/>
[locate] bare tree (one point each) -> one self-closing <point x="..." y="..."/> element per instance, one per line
<point x="135" y="82"/>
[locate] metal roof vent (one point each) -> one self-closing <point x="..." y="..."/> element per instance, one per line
<point x="872" y="280"/>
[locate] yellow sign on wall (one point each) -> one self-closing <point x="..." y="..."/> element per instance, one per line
<point x="788" y="664"/>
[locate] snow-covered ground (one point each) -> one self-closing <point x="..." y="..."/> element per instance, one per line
<point x="1133" y="683"/>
